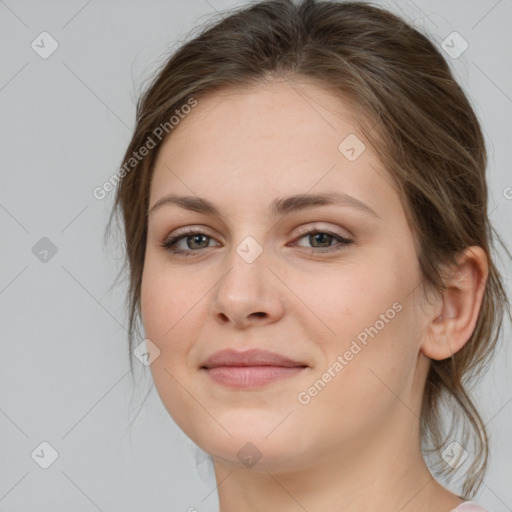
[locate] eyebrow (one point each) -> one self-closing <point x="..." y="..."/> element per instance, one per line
<point x="279" y="206"/>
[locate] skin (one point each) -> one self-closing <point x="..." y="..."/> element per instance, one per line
<point x="355" y="446"/>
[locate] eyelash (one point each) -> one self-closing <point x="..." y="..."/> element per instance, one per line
<point x="168" y="244"/>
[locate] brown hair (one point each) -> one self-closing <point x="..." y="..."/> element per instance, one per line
<point x="414" y="114"/>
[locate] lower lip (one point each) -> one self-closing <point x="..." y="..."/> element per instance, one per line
<point x="251" y="376"/>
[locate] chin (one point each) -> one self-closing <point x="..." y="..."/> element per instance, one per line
<point x="258" y="455"/>
<point x="258" y="441"/>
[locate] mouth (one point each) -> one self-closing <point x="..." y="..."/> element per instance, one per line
<point x="250" y="369"/>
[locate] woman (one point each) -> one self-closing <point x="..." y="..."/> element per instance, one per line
<point x="305" y="211"/>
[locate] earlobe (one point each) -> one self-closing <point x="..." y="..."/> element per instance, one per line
<point x="455" y="318"/>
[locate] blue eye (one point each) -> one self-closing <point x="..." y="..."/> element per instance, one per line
<point x="198" y="238"/>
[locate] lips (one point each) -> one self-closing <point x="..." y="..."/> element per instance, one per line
<point x="251" y="369"/>
<point x="254" y="357"/>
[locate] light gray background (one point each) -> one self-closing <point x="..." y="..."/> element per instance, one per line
<point x="65" y="123"/>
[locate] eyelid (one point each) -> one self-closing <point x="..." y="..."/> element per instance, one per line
<point x="317" y="227"/>
<point x="189" y="230"/>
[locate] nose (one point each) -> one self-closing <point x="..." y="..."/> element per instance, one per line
<point x="249" y="293"/>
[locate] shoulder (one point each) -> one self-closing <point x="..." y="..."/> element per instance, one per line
<point x="469" y="506"/>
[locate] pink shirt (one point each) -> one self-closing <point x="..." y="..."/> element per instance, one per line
<point x="469" y="506"/>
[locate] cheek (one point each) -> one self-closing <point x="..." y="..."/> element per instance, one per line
<point x="348" y="299"/>
<point x="174" y="307"/>
<point x="155" y="298"/>
<point x="369" y="375"/>
<point x="168" y="310"/>
<point x="368" y="319"/>
<point x="166" y="317"/>
<point x="166" y="297"/>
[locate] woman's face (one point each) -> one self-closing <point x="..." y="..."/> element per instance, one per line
<point x="254" y="277"/>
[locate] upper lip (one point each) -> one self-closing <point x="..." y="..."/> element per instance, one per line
<point x="253" y="357"/>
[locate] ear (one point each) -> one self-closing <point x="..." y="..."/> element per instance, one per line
<point x="454" y="318"/>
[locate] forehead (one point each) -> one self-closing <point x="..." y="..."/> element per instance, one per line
<point x="271" y="140"/>
<point x="274" y="104"/>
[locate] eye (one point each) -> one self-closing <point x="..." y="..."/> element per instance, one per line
<point x="195" y="240"/>
<point x="191" y="238"/>
<point x="324" y="238"/>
